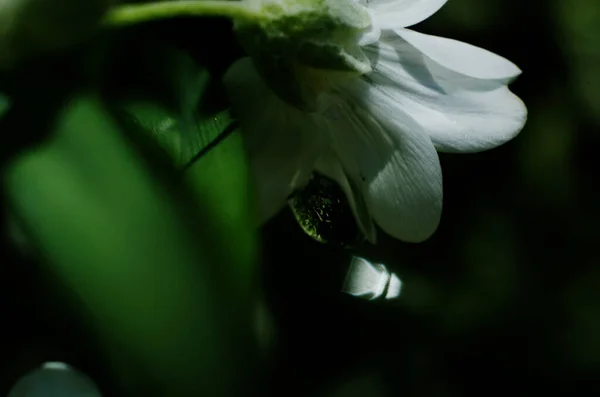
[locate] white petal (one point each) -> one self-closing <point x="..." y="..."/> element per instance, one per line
<point x="459" y="113"/>
<point x="461" y="57"/>
<point x="365" y="279"/>
<point x="394" y="162"/>
<point x="393" y="14"/>
<point x="281" y="142"/>
<point x="394" y="287"/>
<point x="329" y="165"/>
<point x="372" y="35"/>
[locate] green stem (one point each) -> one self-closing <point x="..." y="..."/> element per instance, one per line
<point x="130" y="14"/>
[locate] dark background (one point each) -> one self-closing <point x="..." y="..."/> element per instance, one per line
<point x="504" y="298"/>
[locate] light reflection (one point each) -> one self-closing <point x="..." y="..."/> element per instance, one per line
<point x="371" y="281"/>
<point x="394" y="287"/>
<point x="56" y="365"/>
<point x="55" y="379"/>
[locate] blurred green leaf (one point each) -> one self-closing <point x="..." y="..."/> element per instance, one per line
<point x="183" y="106"/>
<point x="157" y="283"/>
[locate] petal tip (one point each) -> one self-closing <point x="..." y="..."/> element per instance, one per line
<point x="460" y="57"/>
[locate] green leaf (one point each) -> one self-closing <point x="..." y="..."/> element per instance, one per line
<point x="154" y="273"/>
<point x="177" y="101"/>
<point x="183" y="106"/>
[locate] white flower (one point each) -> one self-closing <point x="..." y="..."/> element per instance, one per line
<point x="373" y="127"/>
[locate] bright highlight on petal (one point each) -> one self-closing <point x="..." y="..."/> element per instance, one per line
<point x="459" y="113"/>
<point x="371" y="281"/>
<point x="394" y="287"/>
<point x="461" y="57"/>
<point x="57" y="365"/>
<point x="393" y="161"/>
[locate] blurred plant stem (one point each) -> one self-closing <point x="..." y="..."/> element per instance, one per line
<point x="130" y="14"/>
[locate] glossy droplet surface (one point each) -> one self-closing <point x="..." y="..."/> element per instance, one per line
<point x="323" y="212"/>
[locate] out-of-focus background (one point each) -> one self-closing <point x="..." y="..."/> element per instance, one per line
<point x="504" y="298"/>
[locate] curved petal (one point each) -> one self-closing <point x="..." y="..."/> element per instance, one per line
<point x="393" y="161"/>
<point x="461" y="57"/>
<point x="459" y="113"/>
<point x="280" y="140"/>
<point x="393" y="14"/>
<point x="329" y="165"/>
